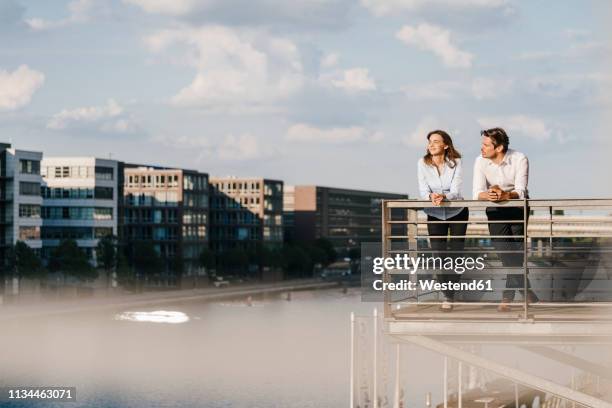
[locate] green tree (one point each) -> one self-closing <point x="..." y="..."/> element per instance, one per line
<point x="296" y="261"/>
<point x="207" y="259"/>
<point x="146" y="260"/>
<point x="72" y="261"/>
<point x="327" y="246"/>
<point x="24" y="262"/>
<point x="125" y="274"/>
<point x="106" y="255"/>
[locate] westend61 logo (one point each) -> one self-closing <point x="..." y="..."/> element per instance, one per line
<point x="404" y="264"/>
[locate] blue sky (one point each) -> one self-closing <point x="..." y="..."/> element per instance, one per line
<point x="330" y="92"/>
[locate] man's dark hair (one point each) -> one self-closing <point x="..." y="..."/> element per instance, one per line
<point x="498" y="137"/>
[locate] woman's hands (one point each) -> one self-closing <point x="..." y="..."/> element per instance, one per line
<point x="436" y="199"/>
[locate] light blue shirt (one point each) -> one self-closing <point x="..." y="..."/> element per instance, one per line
<point x="448" y="183"/>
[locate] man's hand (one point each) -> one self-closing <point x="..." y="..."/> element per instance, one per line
<point x="436" y="198"/>
<point x="495" y="193"/>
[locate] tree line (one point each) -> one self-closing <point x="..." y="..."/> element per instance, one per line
<point x="132" y="262"/>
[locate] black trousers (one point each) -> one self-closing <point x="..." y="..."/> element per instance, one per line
<point x="441" y="246"/>
<point x="515" y="232"/>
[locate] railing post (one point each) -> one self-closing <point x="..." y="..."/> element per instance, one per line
<point x="375" y="362"/>
<point x="352" y="373"/>
<point x="413" y="231"/>
<point x="525" y="260"/>
<point x="386" y="230"/>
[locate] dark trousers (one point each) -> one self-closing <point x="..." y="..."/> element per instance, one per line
<point x="509" y="259"/>
<point x="441" y="246"/>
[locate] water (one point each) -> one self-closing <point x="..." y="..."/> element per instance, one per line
<point x="274" y="353"/>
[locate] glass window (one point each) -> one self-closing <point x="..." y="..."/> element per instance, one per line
<point x="29" y="211"/>
<point x="29" y="166"/>
<point x="104" y="193"/>
<point x="26" y="233"/>
<point x="32" y="189"/>
<point x="105" y="173"/>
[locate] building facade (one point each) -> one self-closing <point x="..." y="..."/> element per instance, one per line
<point x="345" y="217"/>
<point x="20" y="200"/>
<point x="79" y="201"/>
<point x="168" y="207"/>
<point x="245" y="212"/>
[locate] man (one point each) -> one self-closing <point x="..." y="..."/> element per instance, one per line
<point x="502" y="174"/>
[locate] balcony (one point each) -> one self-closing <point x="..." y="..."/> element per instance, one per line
<point x="565" y="252"/>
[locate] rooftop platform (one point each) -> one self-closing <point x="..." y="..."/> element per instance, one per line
<point x="564" y="252"/>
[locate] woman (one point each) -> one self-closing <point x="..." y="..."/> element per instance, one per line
<point x="440" y="177"/>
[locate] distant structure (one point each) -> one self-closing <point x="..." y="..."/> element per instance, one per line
<point x="79" y="201"/>
<point x="345" y="217"/>
<point x="170" y="208"/>
<point x="245" y="212"/>
<point x="20" y="200"/>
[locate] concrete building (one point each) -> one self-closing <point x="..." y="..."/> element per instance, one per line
<point x="245" y="212"/>
<point x="79" y="201"/>
<point x="345" y="217"/>
<point x="20" y="200"/>
<point x="168" y="207"/>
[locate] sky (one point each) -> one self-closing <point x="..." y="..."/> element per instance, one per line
<point x="331" y="92"/>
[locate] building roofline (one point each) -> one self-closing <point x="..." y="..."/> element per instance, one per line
<point x="353" y="190"/>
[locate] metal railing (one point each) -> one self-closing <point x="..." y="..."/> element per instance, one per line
<point x="565" y="248"/>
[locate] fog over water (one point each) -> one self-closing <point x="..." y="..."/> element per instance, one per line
<point x="274" y="353"/>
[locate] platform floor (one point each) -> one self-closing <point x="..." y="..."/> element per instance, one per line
<point x="477" y="312"/>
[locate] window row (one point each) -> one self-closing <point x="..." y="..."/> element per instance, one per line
<point x="152" y="180"/>
<point x="99" y="172"/>
<point x="75" y="232"/>
<point x="158" y="198"/>
<point x="161" y="216"/>
<point x="237" y="185"/>
<point x="100" y="193"/>
<point x="29" y="211"/>
<point x="77" y="213"/>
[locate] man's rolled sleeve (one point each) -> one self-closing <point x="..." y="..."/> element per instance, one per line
<point x="522" y="178"/>
<point x="479" y="183"/>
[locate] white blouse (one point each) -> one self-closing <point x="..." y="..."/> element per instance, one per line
<point x="448" y="183"/>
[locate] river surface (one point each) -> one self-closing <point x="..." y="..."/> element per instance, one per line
<point x="270" y="352"/>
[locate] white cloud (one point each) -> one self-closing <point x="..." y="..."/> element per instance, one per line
<point x="17" y="87"/>
<point x="110" y="118"/>
<point x="351" y="80"/>
<point x="437" y="40"/>
<point x="392" y="7"/>
<point x="167" y="7"/>
<point x="438" y="90"/>
<point x="242" y="147"/>
<point x="80" y="11"/>
<point x="305" y="133"/>
<point x="234" y="68"/>
<point x="418" y="137"/>
<point x="491" y="88"/>
<point x="523" y="125"/>
<point x="479" y="88"/>
<point x="182" y="141"/>
<point x="295" y="14"/>
<point x="330" y="60"/>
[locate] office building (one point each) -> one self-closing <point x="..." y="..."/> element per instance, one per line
<point x="79" y="201"/>
<point x="20" y="201"/>
<point x="345" y="217"/>
<point x="246" y="212"/>
<point x="168" y="207"/>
